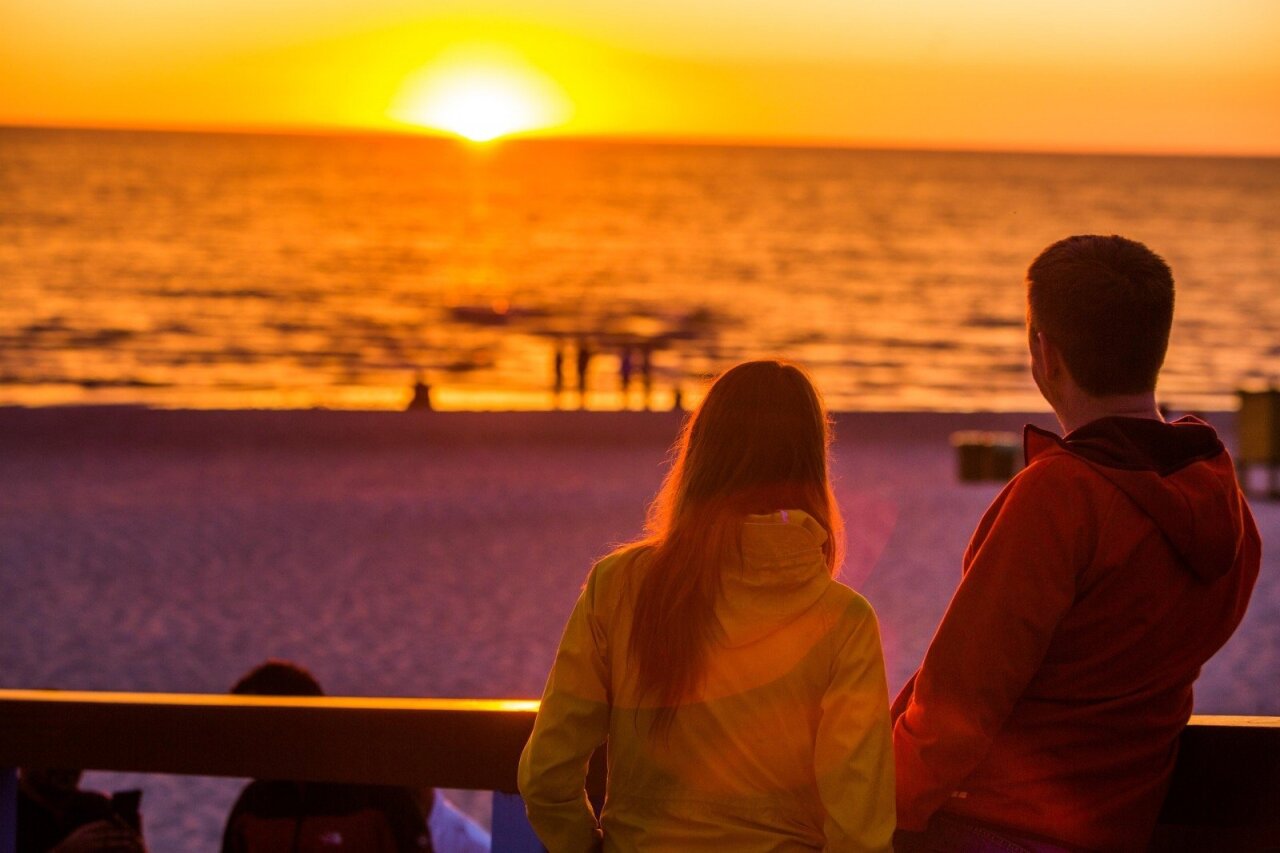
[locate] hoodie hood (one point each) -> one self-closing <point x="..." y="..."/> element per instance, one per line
<point x="782" y="574"/>
<point x="1179" y="475"/>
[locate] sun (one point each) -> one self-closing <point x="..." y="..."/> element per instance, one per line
<point x="480" y="96"/>
<point x="479" y="107"/>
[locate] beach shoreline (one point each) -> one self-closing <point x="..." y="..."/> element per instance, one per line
<point x="135" y="425"/>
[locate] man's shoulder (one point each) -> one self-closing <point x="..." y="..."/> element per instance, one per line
<point x="1053" y="469"/>
<point x="1056" y="490"/>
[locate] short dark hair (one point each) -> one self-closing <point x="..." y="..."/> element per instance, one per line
<point x="278" y="678"/>
<point x="1107" y="303"/>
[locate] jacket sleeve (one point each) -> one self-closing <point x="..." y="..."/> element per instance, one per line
<point x="853" y="751"/>
<point x="1019" y="581"/>
<point x="572" y="721"/>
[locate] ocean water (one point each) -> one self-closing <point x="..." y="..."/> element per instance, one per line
<point x="219" y="270"/>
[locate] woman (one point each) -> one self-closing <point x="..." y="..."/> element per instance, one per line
<point x="741" y="688"/>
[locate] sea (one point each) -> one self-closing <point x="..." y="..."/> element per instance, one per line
<point x="218" y="270"/>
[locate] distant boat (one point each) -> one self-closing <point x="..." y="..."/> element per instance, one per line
<point x="498" y="312"/>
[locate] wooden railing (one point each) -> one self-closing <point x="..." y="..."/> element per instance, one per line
<point x="1225" y="793"/>
<point x="446" y="743"/>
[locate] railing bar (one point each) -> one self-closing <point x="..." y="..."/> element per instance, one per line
<point x="376" y="703"/>
<point x="1228" y="770"/>
<point x="1234" y="721"/>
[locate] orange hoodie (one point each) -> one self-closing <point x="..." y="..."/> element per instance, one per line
<point x="1099" y="581"/>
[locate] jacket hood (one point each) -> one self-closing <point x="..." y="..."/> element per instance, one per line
<point x="1179" y="475"/>
<point x="782" y="574"/>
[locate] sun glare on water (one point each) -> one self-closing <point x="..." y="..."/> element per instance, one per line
<point x="480" y="97"/>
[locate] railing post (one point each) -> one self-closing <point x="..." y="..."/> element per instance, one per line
<point x="8" y="809"/>
<point x="510" y="829"/>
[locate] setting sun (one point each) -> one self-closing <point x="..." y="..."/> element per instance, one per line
<point x="480" y="96"/>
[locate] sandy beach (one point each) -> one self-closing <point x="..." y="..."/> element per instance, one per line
<point x="424" y="554"/>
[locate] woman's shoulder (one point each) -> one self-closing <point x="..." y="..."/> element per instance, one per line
<point x="613" y="572"/>
<point x="621" y="557"/>
<point x="847" y="605"/>
<point x="621" y="560"/>
<point x="854" y="631"/>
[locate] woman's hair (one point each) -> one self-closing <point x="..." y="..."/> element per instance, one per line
<point x="756" y="444"/>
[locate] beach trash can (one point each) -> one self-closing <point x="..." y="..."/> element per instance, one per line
<point x="986" y="456"/>
<point x="1258" y="426"/>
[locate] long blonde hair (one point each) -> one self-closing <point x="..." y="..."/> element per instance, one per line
<point x="757" y="444"/>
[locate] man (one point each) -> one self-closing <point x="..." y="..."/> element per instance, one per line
<point x="1047" y="710"/>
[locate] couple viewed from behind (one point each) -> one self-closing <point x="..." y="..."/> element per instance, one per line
<point x="741" y="688"/>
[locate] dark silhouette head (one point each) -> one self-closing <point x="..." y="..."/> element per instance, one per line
<point x="278" y="678"/>
<point x="1106" y="303"/>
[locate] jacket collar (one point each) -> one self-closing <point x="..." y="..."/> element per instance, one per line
<point x="1134" y="444"/>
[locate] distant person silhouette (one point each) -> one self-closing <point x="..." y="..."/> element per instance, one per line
<point x="625" y="366"/>
<point x="56" y="815"/>
<point x="739" y="686"/>
<point x="281" y="816"/>
<point x="584" y="367"/>
<point x="1047" y="710"/>
<point x="646" y="373"/>
<point x="421" y="400"/>
<point x="557" y="371"/>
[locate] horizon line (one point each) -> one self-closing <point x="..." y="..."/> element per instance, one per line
<point x="672" y="139"/>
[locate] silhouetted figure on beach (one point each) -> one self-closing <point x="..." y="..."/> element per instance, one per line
<point x="739" y="686"/>
<point x="624" y="374"/>
<point x="421" y="400"/>
<point x="281" y="816"/>
<point x="646" y="373"/>
<point x="557" y="372"/>
<point x="584" y="366"/>
<point x="55" y="815"/>
<point x="1048" y="708"/>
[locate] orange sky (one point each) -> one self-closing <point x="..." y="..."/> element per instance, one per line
<point x="1198" y="76"/>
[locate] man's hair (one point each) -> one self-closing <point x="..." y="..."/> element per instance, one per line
<point x="278" y="678"/>
<point x="1107" y="304"/>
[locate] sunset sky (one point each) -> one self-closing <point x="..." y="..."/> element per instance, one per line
<point x="1196" y="76"/>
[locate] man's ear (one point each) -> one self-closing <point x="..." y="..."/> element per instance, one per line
<point x="1046" y="354"/>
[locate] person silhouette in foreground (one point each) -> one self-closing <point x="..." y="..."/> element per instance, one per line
<point x="1047" y="711"/>
<point x="56" y="815"/>
<point x="740" y="687"/>
<point x="272" y="816"/>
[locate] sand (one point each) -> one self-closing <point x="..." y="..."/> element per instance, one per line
<point x="432" y="554"/>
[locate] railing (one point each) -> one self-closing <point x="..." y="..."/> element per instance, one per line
<point x="1226" y="788"/>
<point x="444" y="743"/>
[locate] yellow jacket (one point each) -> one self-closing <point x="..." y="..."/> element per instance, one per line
<point x="787" y="748"/>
